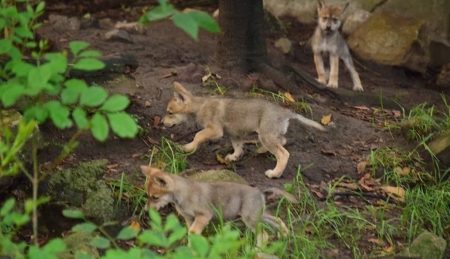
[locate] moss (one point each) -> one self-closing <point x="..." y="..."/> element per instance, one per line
<point x="82" y="186"/>
<point x="79" y="243"/>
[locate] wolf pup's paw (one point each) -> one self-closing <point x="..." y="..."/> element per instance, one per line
<point x="272" y="174"/>
<point x="231" y="157"/>
<point x="332" y="84"/>
<point x="189" y="148"/>
<point x="358" y="88"/>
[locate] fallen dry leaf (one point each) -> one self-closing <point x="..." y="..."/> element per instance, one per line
<point x="388" y="249"/>
<point x="361" y="167"/>
<point x="376" y="241"/>
<point x="221" y="159"/>
<point x="135" y="225"/>
<point x="156" y="121"/>
<point x="289" y="97"/>
<point x="283" y="44"/>
<point x="326" y="119"/>
<point x="364" y="108"/>
<point x="396" y="113"/>
<point x="395" y="192"/>
<point x="351" y="186"/>
<point x="147" y="104"/>
<point x="367" y="183"/>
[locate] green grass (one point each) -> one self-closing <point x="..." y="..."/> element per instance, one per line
<point x="169" y="157"/>
<point x="427" y="208"/>
<point x="129" y="195"/>
<point x="300" y="106"/>
<point x="399" y="167"/>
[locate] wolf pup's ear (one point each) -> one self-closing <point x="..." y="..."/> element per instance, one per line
<point x="162" y="180"/>
<point x="320" y="5"/>
<point x="179" y="88"/>
<point x="148" y="170"/>
<point x="344" y="7"/>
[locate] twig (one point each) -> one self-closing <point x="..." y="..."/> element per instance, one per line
<point x="35" y="183"/>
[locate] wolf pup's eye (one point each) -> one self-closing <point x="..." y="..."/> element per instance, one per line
<point x="154" y="197"/>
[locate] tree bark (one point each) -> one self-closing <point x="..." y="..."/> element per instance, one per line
<point x="242" y="43"/>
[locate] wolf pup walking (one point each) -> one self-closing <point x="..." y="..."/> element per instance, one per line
<point x="197" y="202"/>
<point x="238" y="118"/>
<point x="328" y="40"/>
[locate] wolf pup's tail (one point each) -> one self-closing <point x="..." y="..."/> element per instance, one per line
<point x="276" y="223"/>
<point x="308" y="122"/>
<point x="273" y="193"/>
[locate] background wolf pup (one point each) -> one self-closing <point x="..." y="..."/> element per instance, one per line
<point x="327" y="39"/>
<point x="197" y="202"/>
<point x="238" y="118"/>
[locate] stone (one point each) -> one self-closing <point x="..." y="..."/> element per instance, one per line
<point x="64" y="23"/>
<point x="355" y="20"/>
<point x="427" y="245"/>
<point x="306" y="10"/>
<point x="83" y="187"/>
<point x="215" y="175"/>
<point x="443" y="79"/>
<point x="78" y="243"/>
<point x="118" y="35"/>
<point x="389" y="39"/>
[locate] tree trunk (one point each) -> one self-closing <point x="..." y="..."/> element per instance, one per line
<point x="242" y="43"/>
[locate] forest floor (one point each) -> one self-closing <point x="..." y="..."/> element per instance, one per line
<point x="161" y="54"/>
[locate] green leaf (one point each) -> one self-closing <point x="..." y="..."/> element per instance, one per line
<point x="77" y="46"/>
<point x="73" y="89"/>
<point x="153" y="238"/>
<point x="37" y="112"/>
<point x="7" y="207"/>
<point x="5" y="46"/>
<point x="38" y="80"/>
<point x="99" y="127"/>
<point x="127" y="233"/>
<point x="59" y="114"/>
<point x="155" y="217"/>
<point x="89" y="64"/>
<point x="40" y="7"/>
<point x="80" y="118"/>
<point x="83" y="255"/>
<point x="12" y="92"/>
<point x="171" y="223"/>
<point x="115" y="103"/>
<point x="73" y="214"/>
<point x="100" y="242"/>
<point x="21" y="68"/>
<point x="86" y="227"/>
<point x="54" y="246"/>
<point x="199" y="244"/>
<point x="90" y="54"/>
<point x="57" y="62"/>
<point x="205" y="21"/>
<point x="187" y="23"/>
<point x="162" y="11"/>
<point x="123" y="124"/>
<point x="93" y="96"/>
<point x="177" y="234"/>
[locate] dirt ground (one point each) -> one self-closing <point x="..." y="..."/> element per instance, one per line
<point x="162" y="49"/>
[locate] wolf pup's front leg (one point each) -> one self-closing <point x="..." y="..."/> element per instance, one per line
<point x="210" y="132"/>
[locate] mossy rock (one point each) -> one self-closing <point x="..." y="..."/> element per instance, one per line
<point x="427" y="245"/>
<point x="83" y="187"/>
<point x="78" y="243"/>
<point x="385" y="38"/>
<point x="215" y="176"/>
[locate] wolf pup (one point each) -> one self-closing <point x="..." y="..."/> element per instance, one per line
<point x="238" y="118"/>
<point x="197" y="202"/>
<point x="328" y="40"/>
